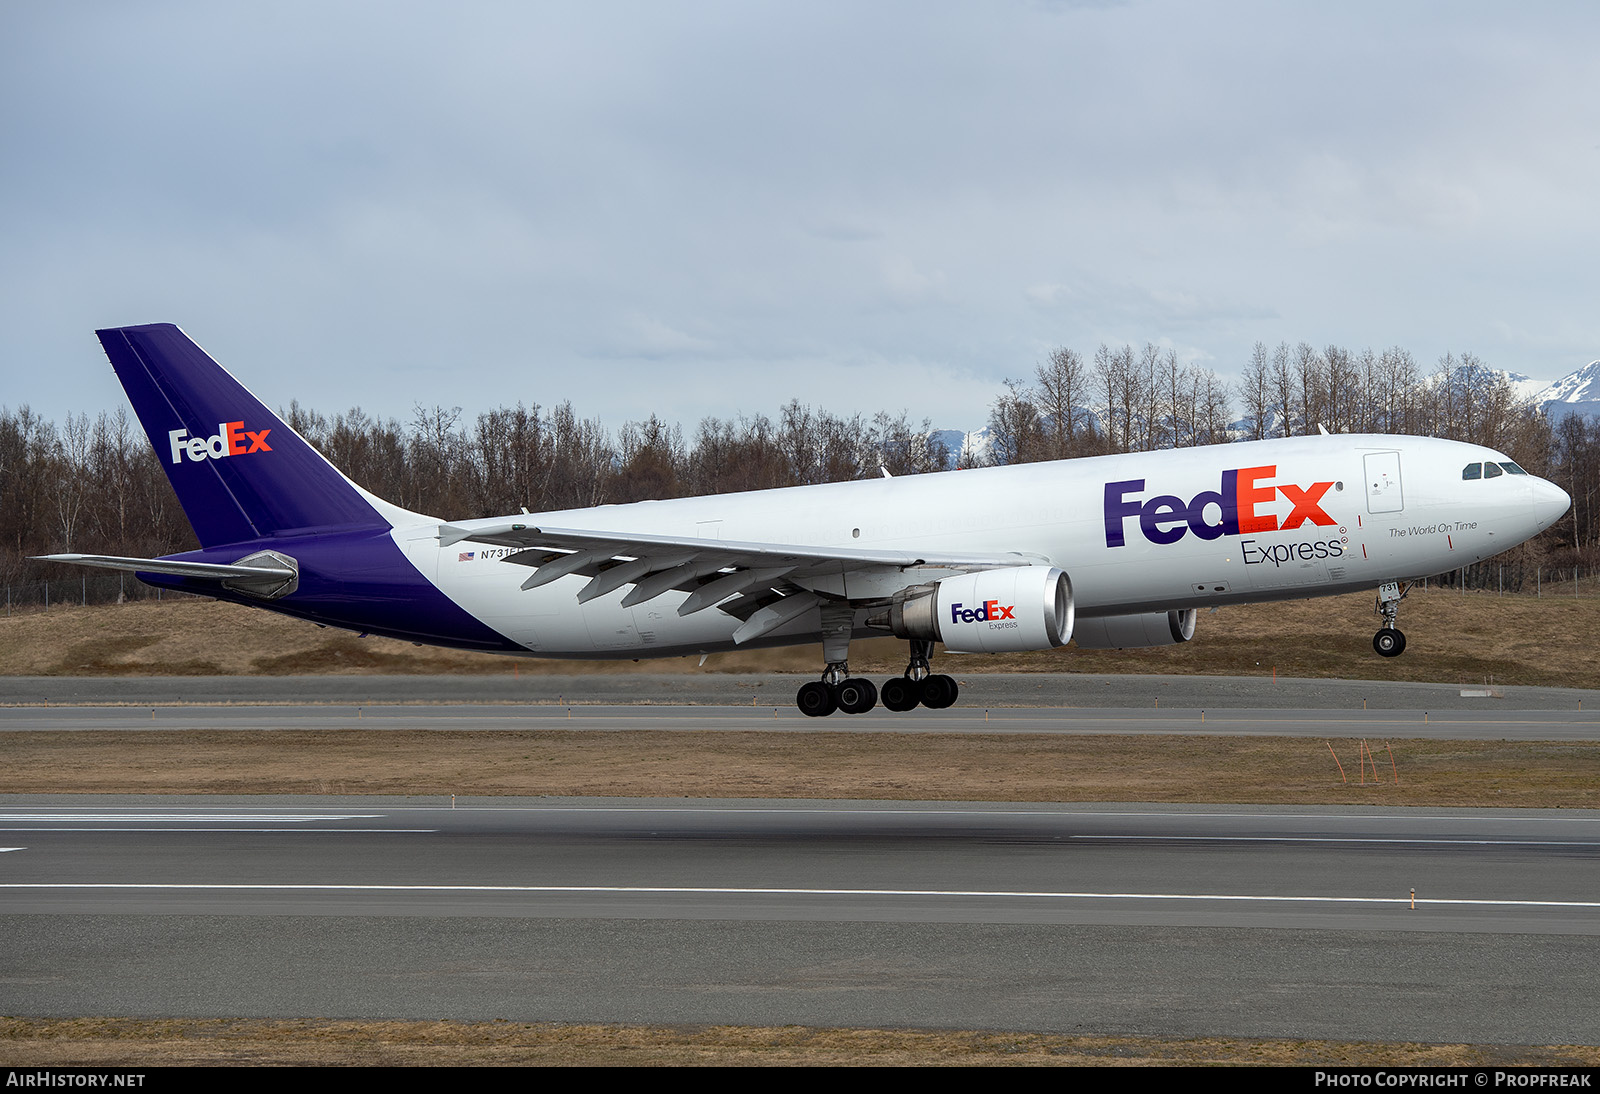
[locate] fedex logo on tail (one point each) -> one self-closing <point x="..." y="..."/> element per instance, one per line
<point x="1243" y="491"/>
<point x="230" y="439"/>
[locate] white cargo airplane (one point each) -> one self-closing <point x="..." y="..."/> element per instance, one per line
<point x="1115" y="551"/>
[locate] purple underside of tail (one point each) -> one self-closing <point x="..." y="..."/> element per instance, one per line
<point x="356" y="580"/>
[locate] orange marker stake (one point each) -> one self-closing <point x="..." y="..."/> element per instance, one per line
<point x="1390" y="747"/>
<point x="1335" y="756"/>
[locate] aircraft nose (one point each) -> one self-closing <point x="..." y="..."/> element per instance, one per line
<point x="1549" y="501"/>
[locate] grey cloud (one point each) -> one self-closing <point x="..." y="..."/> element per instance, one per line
<point x="399" y="203"/>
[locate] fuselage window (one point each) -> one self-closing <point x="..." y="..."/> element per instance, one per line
<point x="1472" y="471"/>
<point x="1512" y="468"/>
<point x="1492" y="471"/>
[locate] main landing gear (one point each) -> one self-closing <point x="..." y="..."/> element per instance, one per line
<point x="850" y="695"/>
<point x="838" y="690"/>
<point x="1390" y="641"/>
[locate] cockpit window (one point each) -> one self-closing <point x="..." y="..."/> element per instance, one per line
<point x="1511" y="467"/>
<point x="1472" y="471"/>
<point x="1492" y="471"/>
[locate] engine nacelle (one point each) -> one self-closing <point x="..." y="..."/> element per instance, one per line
<point x="991" y="611"/>
<point x="1131" y="632"/>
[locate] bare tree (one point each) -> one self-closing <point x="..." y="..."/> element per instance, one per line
<point x="1061" y="392"/>
<point x="1016" y="431"/>
<point x="651" y="457"/>
<point x="1255" y="391"/>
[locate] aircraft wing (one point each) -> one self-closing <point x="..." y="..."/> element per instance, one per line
<point x="758" y="576"/>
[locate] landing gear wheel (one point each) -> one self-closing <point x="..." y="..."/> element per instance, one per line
<point x="939" y="692"/>
<point x="816" y="699"/>
<point x="857" y="695"/>
<point x="900" y="694"/>
<point x="1389" y="642"/>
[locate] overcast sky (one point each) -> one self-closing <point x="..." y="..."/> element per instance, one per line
<point x="698" y="208"/>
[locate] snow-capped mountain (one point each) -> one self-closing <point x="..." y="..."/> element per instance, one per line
<point x="963" y="449"/>
<point x="1576" y="393"/>
<point x="1526" y="387"/>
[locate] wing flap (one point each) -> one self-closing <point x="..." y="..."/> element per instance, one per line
<point x="761" y="578"/>
<point x="640" y="544"/>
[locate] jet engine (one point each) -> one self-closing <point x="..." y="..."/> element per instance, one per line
<point x="1128" y="632"/>
<point x="990" y="611"/>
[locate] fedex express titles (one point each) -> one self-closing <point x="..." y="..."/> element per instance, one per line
<point x="1167" y="518"/>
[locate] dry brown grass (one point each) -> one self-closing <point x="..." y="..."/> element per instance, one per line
<point x="131" y="1043"/>
<point x="1454" y="638"/>
<point x="889" y="766"/>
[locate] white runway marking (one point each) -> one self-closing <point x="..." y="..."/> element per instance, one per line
<point x="674" y="890"/>
<point x="803" y="812"/>
<point x="219" y="818"/>
<point x="1350" y="839"/>
<point x="230" y="831"/>
<point x="141" y="822"/>
<point x="165" y="822"/>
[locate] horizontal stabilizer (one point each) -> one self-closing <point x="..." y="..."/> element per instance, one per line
<point x="266" y="574"/>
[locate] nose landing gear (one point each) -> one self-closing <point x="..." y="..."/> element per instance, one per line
<point x="1390" y="641"/>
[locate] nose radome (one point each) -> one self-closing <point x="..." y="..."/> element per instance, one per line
<point x="1549" y="501"/>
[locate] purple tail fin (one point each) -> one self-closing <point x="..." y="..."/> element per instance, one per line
<point x="238" y="471"/>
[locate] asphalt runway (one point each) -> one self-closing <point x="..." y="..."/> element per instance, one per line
<point x="1530" y="725"/>
<point x="774" y="690"/>
<point x="1192" y="921"/>
<point x="1000" y="703"/>
<point x="1155" y="920"/>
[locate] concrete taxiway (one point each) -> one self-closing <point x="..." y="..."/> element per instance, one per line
<point x="1120" y="919"/>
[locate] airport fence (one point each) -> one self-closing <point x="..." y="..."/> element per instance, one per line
<point x="1516" y="579"/>
<point x="85" y="589"/>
